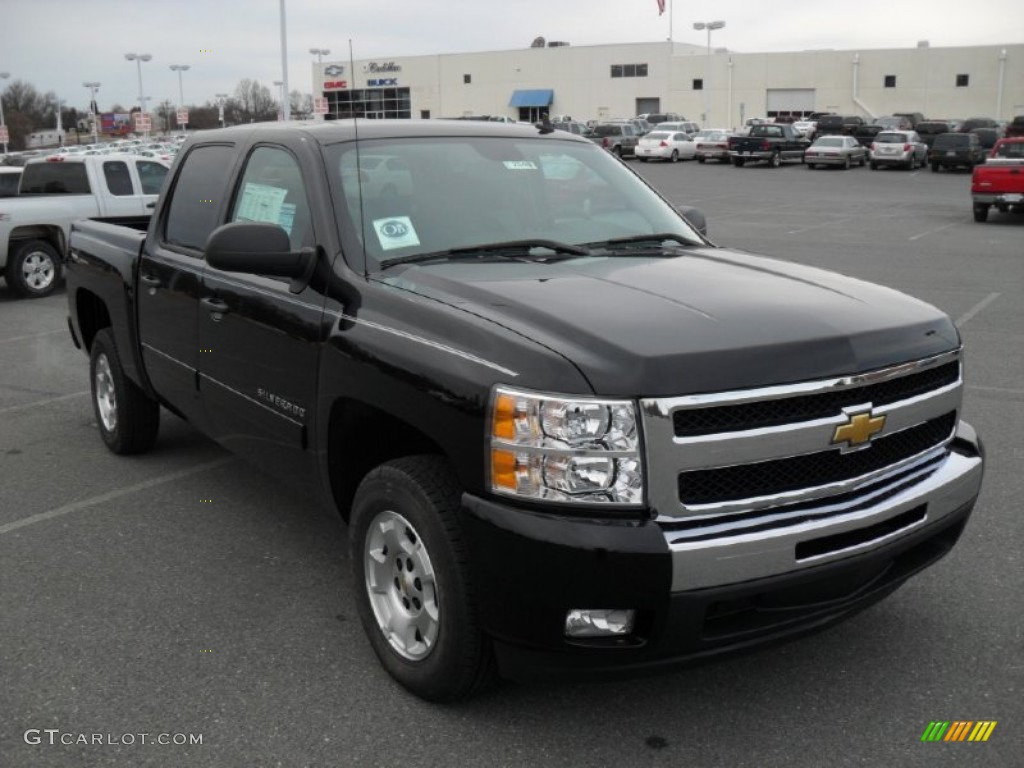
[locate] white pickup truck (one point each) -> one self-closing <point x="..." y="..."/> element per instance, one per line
<point x="55" y="191"/>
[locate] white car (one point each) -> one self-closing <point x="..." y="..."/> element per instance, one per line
<point x="805" y="127"/>
<point x="666" y="145"/>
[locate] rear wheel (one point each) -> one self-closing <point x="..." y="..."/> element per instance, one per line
<point x="981" y="211"/>
<point x="738" y="162"/>
<point x="674" y="157"/>
<point x="847" y="163"/>
<point x="128" y="419"/>
<point x="413" y="587"/>
<point x="811" y="166"/>
<point x="874" y="166"/>
<point x="935" y="167"/>
<point x="34" y="271"/>
<point x="701" y="158"/>
<point x="617" y="150"/>
<point x="775" y="160"/>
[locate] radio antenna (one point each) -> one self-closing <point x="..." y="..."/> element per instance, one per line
<point x="359" y="165"/>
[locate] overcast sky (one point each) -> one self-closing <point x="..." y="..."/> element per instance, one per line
<point x="58" y="44"/>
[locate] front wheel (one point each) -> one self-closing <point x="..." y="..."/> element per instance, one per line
<point x="981" y="211"/>
<point x="128" y="419"/>
<point x="34" y="270"/>
<point x="413" y="586"/>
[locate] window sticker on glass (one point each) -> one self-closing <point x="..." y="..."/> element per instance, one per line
<point x="520" y="165"/>
<point x="395" y="232"/>
<point x="261" y="202"/>
<point x="286" y="217"/>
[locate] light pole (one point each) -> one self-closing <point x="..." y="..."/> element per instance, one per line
<point x="281" y="94"/>
<point x="221" y="98"/>
<point x="320" y="53"/>
<point x="179" y="68"/>
<point x="138" y="58"/>
<point x="92" y="86"/>
<point x="709" y="26"/>
<point x="285" y="111"/>
<point x="3" y="76"/>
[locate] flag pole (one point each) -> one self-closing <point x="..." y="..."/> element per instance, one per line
<point x="670" y="4"/>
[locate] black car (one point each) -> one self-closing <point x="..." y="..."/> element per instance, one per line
<point x="956" y="150"/>
<point x="971" y="123"/>
<point x="865" y="134"/>
<point x="929" y="129"/>
<point x="987" y="136"/>
<point x="843" y="125"/>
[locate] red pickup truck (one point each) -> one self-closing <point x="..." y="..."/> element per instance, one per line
<point x="1000" y="180"/>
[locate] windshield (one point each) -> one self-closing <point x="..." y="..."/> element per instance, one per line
<point x="453" y="193"/>
<point x="891" y="138"/>
<point x="829" y="142"/>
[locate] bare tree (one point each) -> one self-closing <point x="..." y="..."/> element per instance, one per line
<point x="301" y="104"/>
<point x="253" y="101"/>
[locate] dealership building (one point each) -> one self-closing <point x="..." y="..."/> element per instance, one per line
<point x="720" y="88"/>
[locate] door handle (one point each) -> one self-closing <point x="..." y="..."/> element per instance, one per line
<point x="216" y="307"/>
<point x="151" y="280"/>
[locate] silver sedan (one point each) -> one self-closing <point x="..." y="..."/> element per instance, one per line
<point x="835" y="150"/>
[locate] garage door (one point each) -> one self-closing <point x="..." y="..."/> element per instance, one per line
<point x="786" y="101"/>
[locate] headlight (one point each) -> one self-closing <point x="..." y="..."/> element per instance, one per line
<point x="565" y="449"/>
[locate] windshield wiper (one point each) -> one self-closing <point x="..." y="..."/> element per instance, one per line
<point x="513" y="249"/>
<point x="644" y="240"/>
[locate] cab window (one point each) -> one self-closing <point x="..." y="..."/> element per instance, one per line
<point x="271" y="190"/>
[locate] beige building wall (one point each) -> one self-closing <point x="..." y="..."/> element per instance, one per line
<point x="736" y="84"/>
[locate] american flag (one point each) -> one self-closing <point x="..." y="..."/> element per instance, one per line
<point x="661" y="7"/>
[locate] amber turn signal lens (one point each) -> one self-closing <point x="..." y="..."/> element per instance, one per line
<point x="504" y="426"/>
<point x="503" y="470"/>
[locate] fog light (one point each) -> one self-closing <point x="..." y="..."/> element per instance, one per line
<point x="599" y="622"/>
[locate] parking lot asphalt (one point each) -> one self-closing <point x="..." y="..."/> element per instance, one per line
<point x="182" y="592"/>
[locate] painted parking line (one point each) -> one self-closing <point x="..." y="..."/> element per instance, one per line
<point x="1000" y="390"/>
<point x="37" y="403"/>
<point x="933" y="231"/>
<point x="78" y="506"/>
<point x="973" y="311"/>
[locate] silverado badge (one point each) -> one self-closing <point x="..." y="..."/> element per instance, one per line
<point x="858" y="429"/>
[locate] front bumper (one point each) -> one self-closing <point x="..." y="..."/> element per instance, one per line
<point x="696" y="602"/>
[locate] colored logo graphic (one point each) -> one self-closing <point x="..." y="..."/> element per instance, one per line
<point x="958" y="730"/>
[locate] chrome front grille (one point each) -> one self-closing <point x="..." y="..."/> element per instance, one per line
<point x="750" y="451"/>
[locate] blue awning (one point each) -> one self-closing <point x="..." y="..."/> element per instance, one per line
<point x="538" y="98"/>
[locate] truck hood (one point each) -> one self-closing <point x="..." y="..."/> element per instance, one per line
<point x="708" y="320"/>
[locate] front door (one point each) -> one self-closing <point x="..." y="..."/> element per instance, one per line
<point x="259" y="342"/>
<point x="170" y="277"/>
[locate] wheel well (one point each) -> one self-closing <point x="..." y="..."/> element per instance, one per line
<point x="92" y="316"/>
<point x="361" y="437"/>
<point x="52" y="235"/>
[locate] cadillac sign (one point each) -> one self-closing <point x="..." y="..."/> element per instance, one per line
<point x="381" y="67"/>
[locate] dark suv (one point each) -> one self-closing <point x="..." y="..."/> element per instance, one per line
<point x="929" y="129"/>
<point x="837" y="125"/>
<point x="953" y="150"/>
<point x="618" y="138"/>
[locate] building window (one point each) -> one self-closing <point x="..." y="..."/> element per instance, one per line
<point x="962" y="81"/>
<point x="698" y="84"/>
<point x="467" y="79"/>
<point x="629" y="70"/>
<point x="890" y="81"/>
<point x="424" y="114"/>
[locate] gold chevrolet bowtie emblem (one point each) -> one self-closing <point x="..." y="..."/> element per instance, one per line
<point x="859" y="429"/>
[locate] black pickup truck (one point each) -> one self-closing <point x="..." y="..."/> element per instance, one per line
<point x="771" y="142"/>
<point x="567" y="433"/>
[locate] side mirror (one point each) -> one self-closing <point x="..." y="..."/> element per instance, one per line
<point x="259" y="249"/>
<point x="695" y="217"/>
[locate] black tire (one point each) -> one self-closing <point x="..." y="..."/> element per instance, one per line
<point x="674" y="157"/>
<point x="811" y="166"/>
<point x="847" y="163"/>
<point x="643" y="159"/>
<point x="738" y="161"/>
<point x="874" y="166"/>
<point x="775" y="160"/>
<point x="935" y="167"/>
<point x="416" y="499"/>
<point x="34" y="270"/>
<point x="863" y="160"/>
<point x="135" y="419"/>
<point x="617" y="150"/>
<point x="701" y="158"/>
<point x="981" y="211"/>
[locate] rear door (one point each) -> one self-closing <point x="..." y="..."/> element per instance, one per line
<point x="170" y="275"/>
<point x="259" y="341"/>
